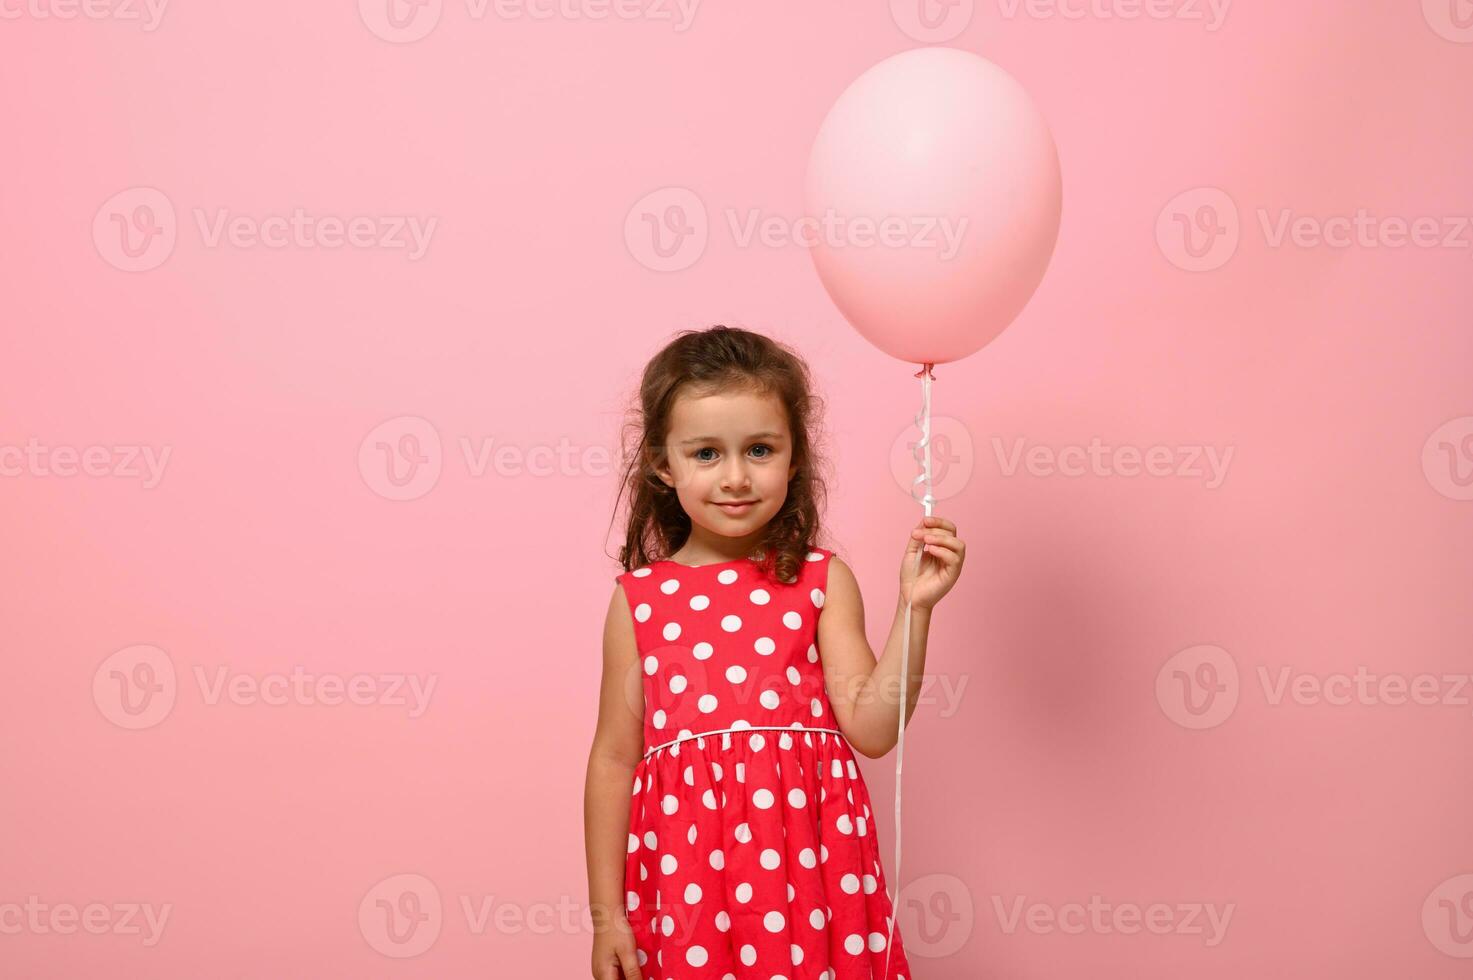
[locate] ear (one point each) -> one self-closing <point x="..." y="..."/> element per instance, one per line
<point x="661" y="468"/>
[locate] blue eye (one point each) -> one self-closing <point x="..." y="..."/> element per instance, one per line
<point x="760" y="445"/>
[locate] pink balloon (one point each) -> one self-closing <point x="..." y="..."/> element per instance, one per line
<point x="934" y="182"/>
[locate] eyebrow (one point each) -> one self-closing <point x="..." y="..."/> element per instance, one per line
<point x="755" y="435"/>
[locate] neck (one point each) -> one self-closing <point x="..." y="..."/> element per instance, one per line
<point x="705" y="547"/>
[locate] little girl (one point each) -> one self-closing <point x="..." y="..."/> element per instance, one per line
<point x="729" y="830"/>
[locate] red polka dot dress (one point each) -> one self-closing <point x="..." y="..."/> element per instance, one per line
<point x="752" y="847"/>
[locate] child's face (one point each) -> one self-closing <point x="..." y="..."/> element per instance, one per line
<point x="729" y="447"/>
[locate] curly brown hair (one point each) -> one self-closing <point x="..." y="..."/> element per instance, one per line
<point x="720" y="359"/>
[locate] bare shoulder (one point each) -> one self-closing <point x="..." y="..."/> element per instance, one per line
<point x="842" y="602"/>
<point x="841" y="580"/>
<point x="619" y="642"/>
<point x="618" y="597"/>
<point x="618" y="611"/>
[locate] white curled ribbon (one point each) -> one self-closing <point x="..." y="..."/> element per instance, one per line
<point x="922" y="454"/>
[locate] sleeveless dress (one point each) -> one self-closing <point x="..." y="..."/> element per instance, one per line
<point x="752" y="851"/>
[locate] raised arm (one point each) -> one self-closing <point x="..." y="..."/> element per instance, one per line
<point x="865" y="692"/>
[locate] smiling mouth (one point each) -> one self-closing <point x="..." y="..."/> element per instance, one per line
<point x="737" y="508"/>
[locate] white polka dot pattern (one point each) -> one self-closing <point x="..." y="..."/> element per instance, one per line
<point x="751" y="854"/>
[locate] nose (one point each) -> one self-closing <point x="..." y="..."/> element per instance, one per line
<point x="734" y="476"/>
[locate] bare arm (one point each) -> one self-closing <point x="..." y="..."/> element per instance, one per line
<point x="865" y="693"/>
<point x="618" y="742"/>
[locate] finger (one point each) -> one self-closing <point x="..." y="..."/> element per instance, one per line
<point x="937" y="521"/>
<point x="950" y="540"/>
<point x="945" y="555"/>
<point x="944" y="542"/>
<point x="630" y="964"/>
<point x="932" y="533"/>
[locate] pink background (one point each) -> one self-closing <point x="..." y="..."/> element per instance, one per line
<point x="1338" y="540"/>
